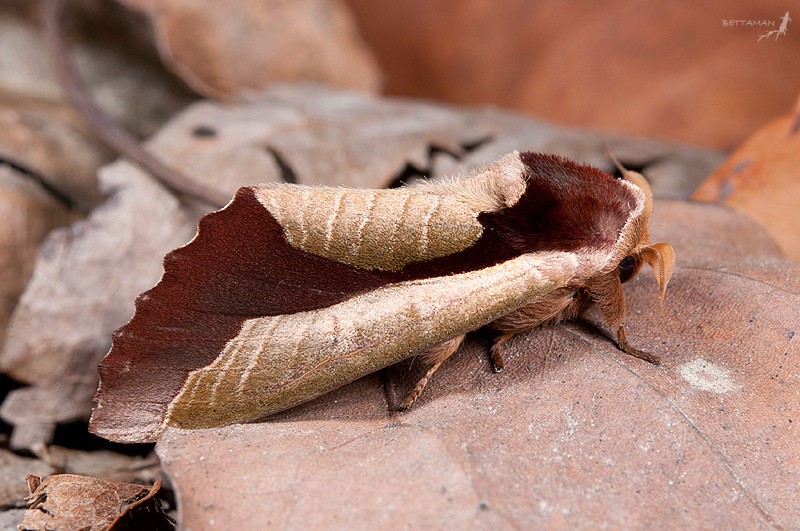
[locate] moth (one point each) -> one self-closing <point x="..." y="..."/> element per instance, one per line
<point x="292" y="291"/>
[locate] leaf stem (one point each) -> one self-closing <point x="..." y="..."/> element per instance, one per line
<point x="110" y="133"/>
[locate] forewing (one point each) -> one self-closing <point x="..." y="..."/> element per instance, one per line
<point x="243" y="324"/>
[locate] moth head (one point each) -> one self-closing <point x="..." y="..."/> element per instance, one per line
<point x="635" y="243"/>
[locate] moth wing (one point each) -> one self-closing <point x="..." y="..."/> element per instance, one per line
<point x="376" y="230"/>
<point x="277" y="362"/>
<point x="238" y="306"/>
<point x="237" y="267"/>
<point x="387" y="230"/>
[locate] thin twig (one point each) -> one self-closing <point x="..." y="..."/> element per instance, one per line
<point x="114" y="136"/>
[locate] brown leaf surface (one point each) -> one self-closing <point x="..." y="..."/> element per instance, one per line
<point x="13" y="488"/>
<point x="234" y="49"/>
<point x="571" y="432"/>
<point x="659" y="69"/>
<point x="104" y="464"/>
<point x="45" y="140"/>
<point x="86" y="278"/>
<point x="28" y="213"/>
<point x="99" y="464"/>
<point x="762" y="178"/>
<point x="88" y="275"/>
<point x="67" y="501"/>
<point x="111" y="52"/>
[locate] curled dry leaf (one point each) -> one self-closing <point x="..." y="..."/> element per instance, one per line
<point x="672" y="170"/>
<point x="67" y="501"/>
<point x="571" y="431"/>
<point x="105" y="465"/>
<point x="235" y="49"/>
<point x="762" y="178"/>
<point x="312" y="135"/>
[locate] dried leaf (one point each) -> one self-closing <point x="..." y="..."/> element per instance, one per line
<point x="28" y="213"/>
<point x="571" y="432"/>
<point x="68" y="501"/>
<point x="42" y="139"/>
<point x="21" y="53"/>
<point x="762" y="178"/>
<point x="10" y="518"/>
<point x="113" y="57"/>
<point x="85" y="280"/>
<point x="656" y="69"/>
<point x="104" y="464"/>
<point x="12" y="480"/>
<point x="235" y="49"/>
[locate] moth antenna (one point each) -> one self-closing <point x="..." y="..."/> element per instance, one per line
<point x="616" y="162"/>
<point x="661" y="257"/>
<point x="639" y="180"/>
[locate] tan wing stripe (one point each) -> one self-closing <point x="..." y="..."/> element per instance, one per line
<point x="332" y="346"/>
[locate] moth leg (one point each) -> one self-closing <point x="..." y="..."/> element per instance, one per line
<point x="496" y="353"/>
<point x="434" y="355"/>
<point x="560" y="305"/>
<point x="608" y="294"/>
<point x="622" y="341"/>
